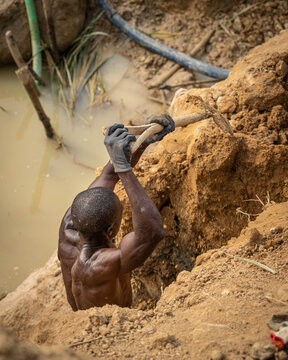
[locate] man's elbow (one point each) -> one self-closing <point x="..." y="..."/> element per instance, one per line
<point x="158" y="234"/>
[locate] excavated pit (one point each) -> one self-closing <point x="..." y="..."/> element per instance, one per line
<point x="208" y="184"/>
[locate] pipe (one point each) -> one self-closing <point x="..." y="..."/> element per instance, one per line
<point x="158" y="48"/>
<point x="35" y="37"/>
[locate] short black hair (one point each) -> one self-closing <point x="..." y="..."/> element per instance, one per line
<point x="95" y="209"/>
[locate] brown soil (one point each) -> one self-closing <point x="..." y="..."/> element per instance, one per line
<point x="191" y="300"/>
<point x="11" y="348"/>
<point x="182" y="24"/>
<point x="222" y="306"/>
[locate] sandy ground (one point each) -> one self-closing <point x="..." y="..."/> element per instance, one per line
<point x="192" y="297"/>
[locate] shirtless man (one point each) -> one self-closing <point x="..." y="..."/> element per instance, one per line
<point x="95" y="272"/>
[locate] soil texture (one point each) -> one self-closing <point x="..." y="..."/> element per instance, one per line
<point x="222" y="198"/>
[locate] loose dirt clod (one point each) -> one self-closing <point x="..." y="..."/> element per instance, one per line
<point x="262" y="351"/>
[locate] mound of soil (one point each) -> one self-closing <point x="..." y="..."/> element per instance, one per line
<point x="214" y="184"/>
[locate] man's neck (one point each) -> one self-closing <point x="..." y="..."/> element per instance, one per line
<point x="95" y="241"/>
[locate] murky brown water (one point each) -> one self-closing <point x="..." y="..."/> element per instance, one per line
<point x="37" y="181"/>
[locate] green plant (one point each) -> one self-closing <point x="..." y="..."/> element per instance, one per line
<point x="79" y="69"/>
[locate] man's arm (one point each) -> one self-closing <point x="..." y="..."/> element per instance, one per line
<point x="67" y="253"/>
<point x="147" y="223"/>
<point x="108" y="178"/>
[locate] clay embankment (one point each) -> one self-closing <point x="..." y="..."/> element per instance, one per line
<point x="198" y="177"/>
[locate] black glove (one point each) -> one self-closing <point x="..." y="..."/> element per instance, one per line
<point x="117" y="142"/>
<point x="161" y="119"/>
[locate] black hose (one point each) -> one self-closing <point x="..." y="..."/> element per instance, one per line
<point x="158" y="48"/>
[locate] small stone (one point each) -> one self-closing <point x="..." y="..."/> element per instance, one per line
<point x="225" y="292"/>
<point x="281" y="68"/>
<point x="226" y="104"/>
<point x="255" y="237"/>
<point x="217" y="355"/>
<point x="150" y="313"/>
<point x="276" y="230"/>
<point x="161" y="339"/>
<point x="262" y="351"/>
<point x="282" y="355"/>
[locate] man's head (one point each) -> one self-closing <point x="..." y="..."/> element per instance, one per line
<point x="97" y="210"/>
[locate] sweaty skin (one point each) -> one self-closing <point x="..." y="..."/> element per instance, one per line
<point x="95" y="272"/>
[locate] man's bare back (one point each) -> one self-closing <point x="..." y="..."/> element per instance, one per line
<point x="85" y="283"/>
<point x="95" y="272"/>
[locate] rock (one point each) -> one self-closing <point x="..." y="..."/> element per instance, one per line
<point x="281" y="68"/>
<point x="150" y="313"/>
<point x="161" y="339"/>
<point x="217" y="355"/>
<point x="68" y="16"/>
<point x="202" y="258"/>
<point x="255" y="237"/>
<point x="226" y="104"/>
<point x="282" y="355"/>
<point x="276" y="230"/>
<point x="262" y="351"/>
<point x="278" y="118"/>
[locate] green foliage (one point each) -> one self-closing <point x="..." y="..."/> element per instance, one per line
<point x="79" y="69"/>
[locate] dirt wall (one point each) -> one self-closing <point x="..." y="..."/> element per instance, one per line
<point x="68" y="16"/>
<point x="203" y="180"/>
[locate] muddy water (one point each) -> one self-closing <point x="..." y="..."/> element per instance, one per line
<point x="38" y="181"/>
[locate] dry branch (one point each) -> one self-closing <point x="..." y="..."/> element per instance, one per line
<point x="50" y="31"/>
<point x="25" y="76"/>
<point x="254" y="262"/>
<point x="165" y="76"/>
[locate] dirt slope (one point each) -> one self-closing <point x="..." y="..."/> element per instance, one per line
<point x="222" y="305"/>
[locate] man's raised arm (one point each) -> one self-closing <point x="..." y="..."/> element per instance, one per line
<point x="108" y="178"/>
<point x="147" y="223"/>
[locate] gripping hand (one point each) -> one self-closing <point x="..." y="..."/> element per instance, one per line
<point x="161" y="119"/>
<point x="117" y="142"/>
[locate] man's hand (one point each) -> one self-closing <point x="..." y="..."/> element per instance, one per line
<point x="117" y="141"/>
<point x="161" y="119"/>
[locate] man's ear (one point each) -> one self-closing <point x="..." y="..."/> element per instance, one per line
<point x="110" y="230"/>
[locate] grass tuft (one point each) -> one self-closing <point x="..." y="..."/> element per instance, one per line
<point x="79" y="69"/>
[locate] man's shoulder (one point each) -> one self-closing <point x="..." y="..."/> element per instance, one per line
<point x="68" y="235"/>
<point x="105" y="256"/>
<point x="105" y="262"/>
<point x="69" y="244"/>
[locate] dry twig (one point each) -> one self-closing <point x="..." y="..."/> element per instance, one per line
<point x="165" y="76"/>
<point x="254" y="262"/>
<point x="238" y="210"/>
